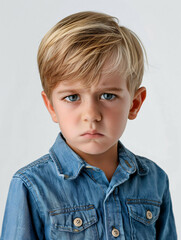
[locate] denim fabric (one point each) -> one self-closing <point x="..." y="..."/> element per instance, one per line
<point x="60" y="196"/>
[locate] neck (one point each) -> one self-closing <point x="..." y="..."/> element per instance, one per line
<point x="107" y="161"/>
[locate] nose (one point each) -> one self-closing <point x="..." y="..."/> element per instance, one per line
<point x="91" y="112"/>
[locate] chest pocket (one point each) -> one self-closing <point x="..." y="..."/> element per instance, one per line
<point x="143" y="215"/>
<point x="74" y="223"/>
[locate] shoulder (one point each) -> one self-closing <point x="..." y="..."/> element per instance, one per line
<point x="39" y="163"/>
<point x="144" y="165"/>
<point x="150" y="164"/>
<point x="37" y="169"/>
<point x="155" y="175"/>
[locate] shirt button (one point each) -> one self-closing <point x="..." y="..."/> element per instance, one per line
<point x="115" y="232"/>
<point x="78" y="222"/>
<point x="149" y="215"/>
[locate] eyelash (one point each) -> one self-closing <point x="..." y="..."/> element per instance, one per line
<point x="67" y="98"/>
<point x="113" y="96"/>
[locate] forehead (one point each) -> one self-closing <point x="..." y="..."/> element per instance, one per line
<point x="106" y="81"/>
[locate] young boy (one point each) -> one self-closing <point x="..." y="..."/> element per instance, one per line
<point x="90" y="186"/>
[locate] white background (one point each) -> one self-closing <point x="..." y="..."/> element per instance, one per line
<point x="26" y="129"/>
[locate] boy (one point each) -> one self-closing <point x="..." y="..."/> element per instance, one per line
<point x="90" y="186"/>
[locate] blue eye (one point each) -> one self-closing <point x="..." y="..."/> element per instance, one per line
<point x="108" y="96"/>
<point x="72" y="98"/>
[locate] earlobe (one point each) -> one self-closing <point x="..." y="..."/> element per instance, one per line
<point x="137" y="102"/>
<point x="49" y="106"/>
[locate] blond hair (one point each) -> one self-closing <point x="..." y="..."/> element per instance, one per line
<point x="78" y="46"/>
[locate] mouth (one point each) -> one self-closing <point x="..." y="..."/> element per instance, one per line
<point x="92" y="134"/>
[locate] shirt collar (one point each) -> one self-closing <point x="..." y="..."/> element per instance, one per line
<point x="130" y="162"/>
<point x="69" y="164"/>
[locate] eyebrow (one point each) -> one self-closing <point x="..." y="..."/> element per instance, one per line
<point x="113" y="89"/>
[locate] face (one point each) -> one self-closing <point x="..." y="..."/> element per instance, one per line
<point x="92" y="119"/>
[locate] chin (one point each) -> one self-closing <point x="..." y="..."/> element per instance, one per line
<point x="94" y="150"/>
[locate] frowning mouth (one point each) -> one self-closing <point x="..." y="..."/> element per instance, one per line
<point x="92" y="134"/>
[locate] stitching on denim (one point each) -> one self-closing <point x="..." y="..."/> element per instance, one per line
<point x="143" y="201"/>
<point x="30" y="190"/>
<point x="131" y="212"/>
<point x="142" y="219"/>
<point x="72" y="209"/>
<point x="108" y="222"/>
<point x="114" y="195"/>
<point x="35" y="163"/>
<point x="132" y="229"/>
<point x="86" y="225"/>
<point x="131" y="223"/>
<point x="118" y="205"/>
<point x="137" y="219"/>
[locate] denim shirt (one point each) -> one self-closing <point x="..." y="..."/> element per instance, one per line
<point x="60" y="196"/>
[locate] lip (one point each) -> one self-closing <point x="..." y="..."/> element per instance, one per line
<point x="92" y="134"/>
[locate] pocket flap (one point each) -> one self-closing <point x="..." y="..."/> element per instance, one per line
<point x="75" y="219"/>
<point x="144" y="211"/>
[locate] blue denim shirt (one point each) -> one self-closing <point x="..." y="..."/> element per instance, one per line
<point x="60" y="196"/>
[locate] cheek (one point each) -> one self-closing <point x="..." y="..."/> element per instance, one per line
<point x="117" y="118"/>
<point x="119" y="112"/>
<point x="67" y="119"/>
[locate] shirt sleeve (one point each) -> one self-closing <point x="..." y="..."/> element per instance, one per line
<point x="166" y="229"/>
<point x="21" y="218"/>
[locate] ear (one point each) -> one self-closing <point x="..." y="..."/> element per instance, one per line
<point x="49" y="106"/>
<point x="137" y="101"/>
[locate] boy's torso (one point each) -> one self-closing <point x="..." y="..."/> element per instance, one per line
<point x="75" y="200"/>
